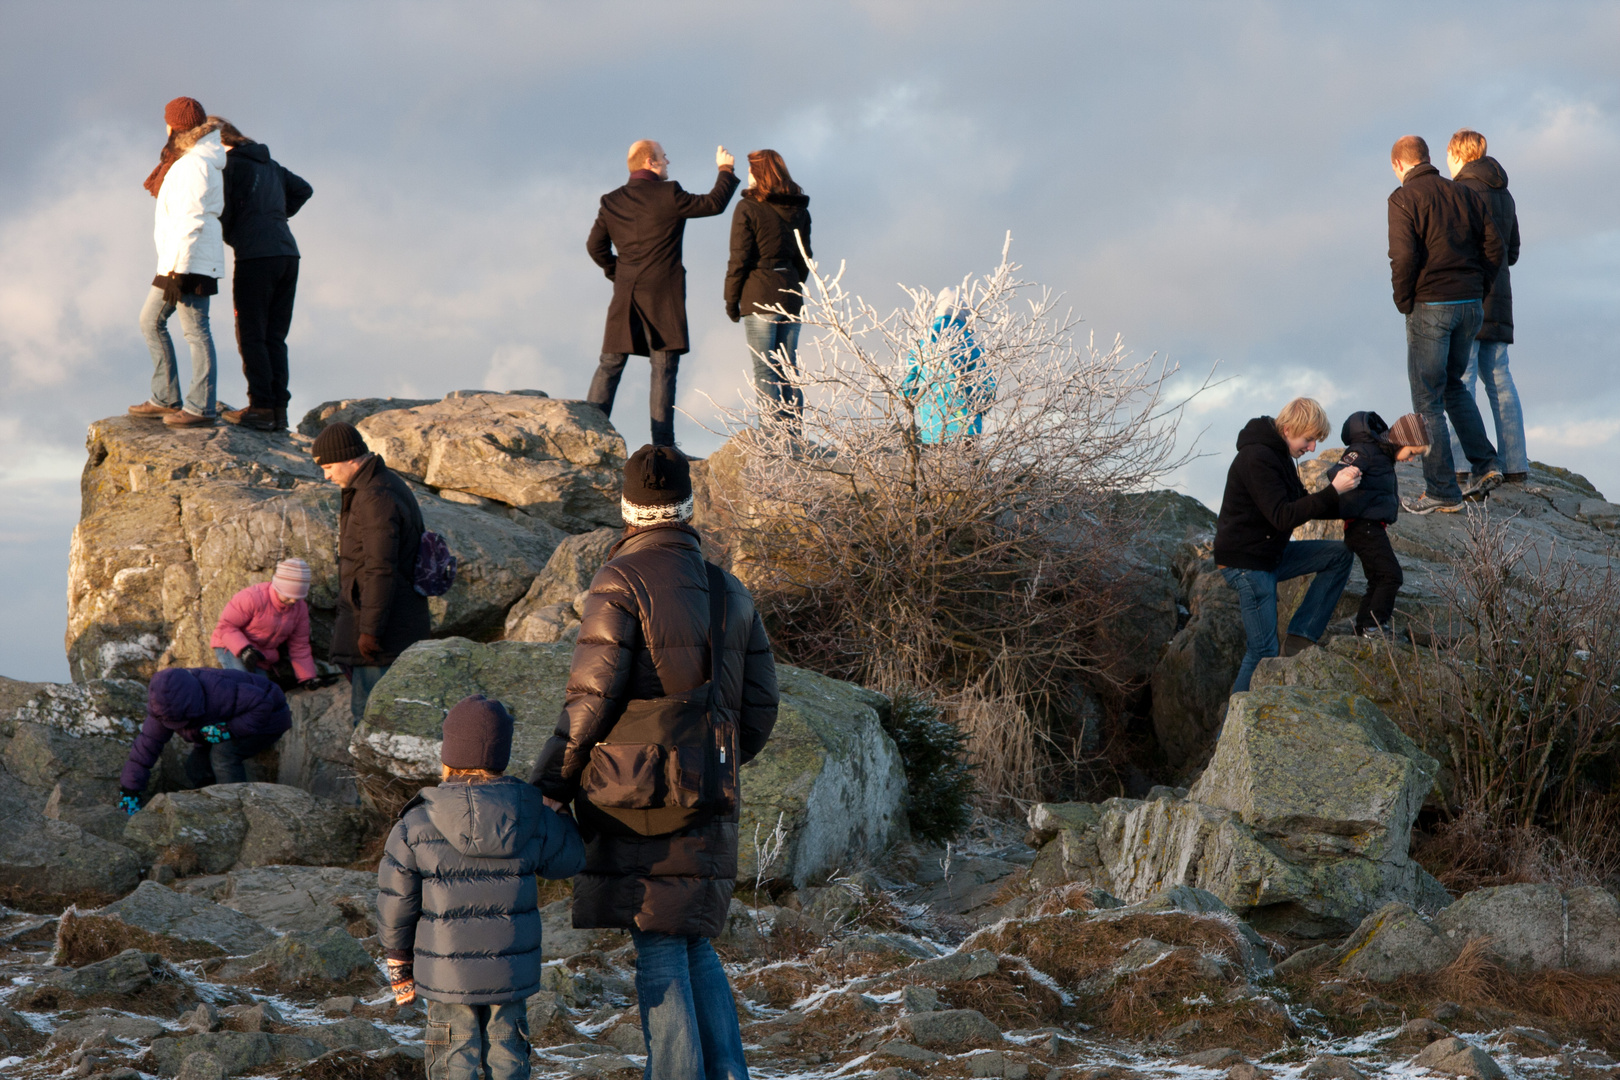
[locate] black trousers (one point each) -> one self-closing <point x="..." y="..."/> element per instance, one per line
<point x="1370" y="541"/>
<point x="225" y="762"/>
<point x="660" y="395"/>
<point x="262" y="292"/>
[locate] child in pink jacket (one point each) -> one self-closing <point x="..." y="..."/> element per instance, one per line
<point x="263" y="618"/>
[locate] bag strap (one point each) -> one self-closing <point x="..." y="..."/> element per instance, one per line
<point x="717" y="629"/>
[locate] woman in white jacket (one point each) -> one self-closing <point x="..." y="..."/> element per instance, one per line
<point x="189" y="185"/>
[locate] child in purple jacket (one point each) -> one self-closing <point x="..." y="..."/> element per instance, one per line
<point x="227" y="716"/>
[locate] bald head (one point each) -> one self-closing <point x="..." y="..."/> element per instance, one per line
<point x="1409" y="150"/>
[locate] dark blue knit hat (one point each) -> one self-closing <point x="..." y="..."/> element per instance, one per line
<point x="477" y="735"/>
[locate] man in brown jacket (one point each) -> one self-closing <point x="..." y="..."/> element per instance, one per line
<point x="645" y="220"/>
<point x="652" y="771"/>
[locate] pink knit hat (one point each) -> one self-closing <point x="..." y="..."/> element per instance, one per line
<point x="291" y="578"/>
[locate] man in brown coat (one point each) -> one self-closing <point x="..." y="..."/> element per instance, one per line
<point x="649" y="759"/>
<point x="645" y="221"/>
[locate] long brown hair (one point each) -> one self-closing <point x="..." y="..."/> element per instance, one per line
<point x="178" y="142"/>
<point x="770" y="175"/>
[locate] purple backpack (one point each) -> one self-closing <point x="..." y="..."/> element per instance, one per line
<point x="435" y="566"/>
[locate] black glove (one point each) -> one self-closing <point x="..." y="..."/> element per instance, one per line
<point x="734" y="312"/>
<point x="171" y="288"/>
<point x="252" y="657"/>
<point x="310" y="684"/>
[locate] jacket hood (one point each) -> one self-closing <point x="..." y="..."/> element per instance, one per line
<point x="210" y="149"/>
<point x="1262" y="431"/>
<point x="1425" y="169"/>
<point x="1487" y="170"/>
<point x="487" y="820"/>
<point x="253" y="152"/>
<point x="1364" y="427"/>
<point x="175" y="697"/>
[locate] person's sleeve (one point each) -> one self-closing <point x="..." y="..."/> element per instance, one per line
<point x="298" y="650"/>
<point x="1271" y="496"/>
<point x="562" y="854"/>
<point x="228" y="632"/>
<point x="809" y="252"/>
<point x="189" y="213"/>
<point x="149" y="743"/>
<point x="1494" y="249"/>
<point x="599" y="245"/>
<point x="688" y="205"/>
<point x="379" y="521"/>
<point x="598" y="680"/>
<point x="1405" y="255"/>
<point x="233" y="197"/>
<point x="296" y="190"/>
<point x="744" y="257"/>
<point x="1513" y="240"/>
<point x="399" y="896"/>
<point x="760" y="696"/>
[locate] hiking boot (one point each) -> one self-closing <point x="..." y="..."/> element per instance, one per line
<point x="1294" y="644"/>
<point x="1484" y="485"/>
<point x="1428" y="504"/>
<point x="1515" y="477"/>
<point x="257" y="419"/>
<point x="280" y="423"/>
<point x="182" y="418"/>
<point x="151" y="410"/>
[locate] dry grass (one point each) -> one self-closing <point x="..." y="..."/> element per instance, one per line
<point x="1470" y="851"/>
<point x="1012" y="999"/>
<point x="85" y="939"/>
<point x="354" y="1065"/>
<point x="1005" y="747"/>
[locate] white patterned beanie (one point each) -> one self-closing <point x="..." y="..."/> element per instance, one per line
<point x="657" y="487"/>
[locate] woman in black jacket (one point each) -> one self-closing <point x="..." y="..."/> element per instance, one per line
<point x="767" y="268"/>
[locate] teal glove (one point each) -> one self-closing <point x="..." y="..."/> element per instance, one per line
<point x="215" y="734"/>
<point x="129" y="801"/>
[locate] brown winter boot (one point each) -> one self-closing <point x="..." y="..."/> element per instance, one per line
<point x="257" y="419"/>
<point x="281" y="420"/>
<point x="1294" y="644"/>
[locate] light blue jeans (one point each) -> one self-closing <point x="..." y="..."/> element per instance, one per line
<point x="1329" y="560"/>
<point x="773" y="342"/>
<point x="199" y="398"/>
<point x="476" y="1042"/>
<point x="1488" y="361"/>
<point x="687" y="1012"/>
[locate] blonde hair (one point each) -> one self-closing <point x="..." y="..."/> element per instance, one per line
<point x="1303" y="417"/>
<point x="641" y="154"/>
<point x="468" y="776"/>
<point x="1466" y="145"/>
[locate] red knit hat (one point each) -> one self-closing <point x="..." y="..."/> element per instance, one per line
<point x="184" y="113"/>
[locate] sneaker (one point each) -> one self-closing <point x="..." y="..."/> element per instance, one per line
<point x="257" y="419"/>
<point x="1484" y="485"/>
<point x="151" y="410"/>
<point x="182" y="418"/>
<point x="1428" y="504"/>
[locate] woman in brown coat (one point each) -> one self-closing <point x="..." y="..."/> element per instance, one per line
<point x="649" y="759"/>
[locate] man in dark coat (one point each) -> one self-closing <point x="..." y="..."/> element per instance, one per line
<point x="1265" y="501"/>
<point x="380" y="613"/>
<point x="645" y="222"/>
<point x="665" y="871"/>
<point x="1472" y="169"/>
<point x="1444" y="252"/>
<point x="260" y="196"/>
<point x="227" y="716"/>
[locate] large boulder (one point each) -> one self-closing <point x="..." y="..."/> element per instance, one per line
<point x="173" y="524"/>
<point x="558" y="460"/>
<point x="287" y="898"/>
<point x="1301" y="822"/>
<point x="238" y="825"/>
<point x="307" y="960"/>
<point x="47" y="863"/>
<point x="314" y="753"/>
<point x="353" y="410"/>
<point x="547" y="612"/>
<point x="829" y="774"/>
<point x="1193" y="679"/>
<point x="158" y="919"/>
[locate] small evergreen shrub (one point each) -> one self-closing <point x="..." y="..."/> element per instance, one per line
<point x="939" y="777"/>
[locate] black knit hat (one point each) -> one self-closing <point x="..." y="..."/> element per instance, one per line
<point x="657" y="487"/>
<point x="477" y="735"/>
<point x="338" y="442"/>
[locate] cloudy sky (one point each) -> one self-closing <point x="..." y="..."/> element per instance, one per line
<point x="1207" y="180"/>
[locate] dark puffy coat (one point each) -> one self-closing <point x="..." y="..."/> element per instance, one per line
<point x="456" y="891"/>
<point x="260" y="196"/>
<point x="646" y="222"/>
<point x="1488" y="179"/>
<point x="1378" y="496"/>
<point x="379" y="531"/>
<point x="1442" y="242"/>
<point x="183" y="701"/>
<point x="766" y="265"/>
<point x="1264" y="500"/>
<point x="645" y="635"/>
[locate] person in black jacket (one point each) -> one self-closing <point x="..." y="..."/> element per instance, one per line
<point x="1444" y="253"/>
<point x="656" y="789"/>
<point x="1368" y="511"/>
<point x="1488" y="358"/>
<point x="1264" y="503"/>
<point x="458" y="912"/>
<point x="260" y="196"/>
<point x="636" y="240"/>
<point x="380" y="613"/>
<point x="767" y="268"/>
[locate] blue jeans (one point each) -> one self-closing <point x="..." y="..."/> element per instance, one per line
<point x="1439" y="338"/>
<point x="687" y="1012"/>
<point x="225" y="762"/>
<point x="480" y="1042"/>
<point x="362" y="681"/>
<point x="1488" y="361"/>
<point x="199" y="398"/>
<point x="769" y="338"/>
<point x="1329" y="560"/>
<point x="666" y="367"/>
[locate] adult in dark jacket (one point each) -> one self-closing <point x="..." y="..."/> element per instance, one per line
<point x="766" y="271"/>
<point x="379" y="612"/>
<point x="260" y="196"/>
<point x="644" y="222"/>
<point x="1264" y="502"/>
<point x="1484" y="176"/>
<point x="664" y="872"/>
<point x="227" y="716"/>
<point x="458" y="913"/>
<point x="1368" y="511"/>
<point x="1444" y="252"/>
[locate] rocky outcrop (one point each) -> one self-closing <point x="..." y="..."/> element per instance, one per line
<point x="1301" y="822"/>
<point x="550" y="610"/>
<point x="829" y="773"/>
<point x="314" y="753"/>
<point x="231" y="826"/>
<point x="160" y="920"/>
<point x="287" y="898"/>
<point x="1193" y="678"/>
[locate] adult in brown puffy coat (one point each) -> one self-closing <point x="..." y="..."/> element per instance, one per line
<point x="661" y="870"/>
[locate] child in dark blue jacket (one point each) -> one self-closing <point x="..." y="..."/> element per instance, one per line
<point x="1374" y="447"/>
